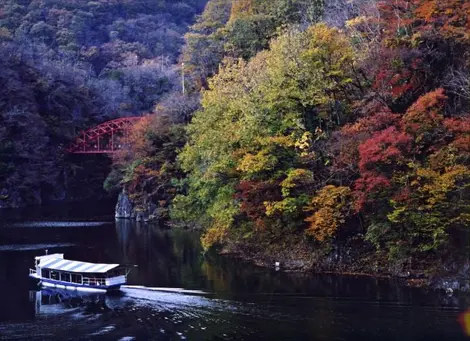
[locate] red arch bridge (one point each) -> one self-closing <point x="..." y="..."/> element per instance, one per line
<point x="106" y="138"/>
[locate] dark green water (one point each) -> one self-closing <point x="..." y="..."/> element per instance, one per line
<point x="242" y="302"/>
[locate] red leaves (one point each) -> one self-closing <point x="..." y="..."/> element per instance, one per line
<point x="397" y="72"/>
<point x="458" y="125"/>
<point x="460" y="128"/>
<point x="397" y="82"/>
<point x="378" y="158"/>
<point x="385" y="147"/>
<point x="352" y="135"/>
<point x="371" y="124"/>
<point x="366" y="186"/>
<point x="253" y="194"/>
<point x="462" y="143"/>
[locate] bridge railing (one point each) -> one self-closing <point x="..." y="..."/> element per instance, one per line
<point x="106" y="138"/>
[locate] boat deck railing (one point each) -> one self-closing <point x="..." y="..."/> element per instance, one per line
<point x="93" y="281"/>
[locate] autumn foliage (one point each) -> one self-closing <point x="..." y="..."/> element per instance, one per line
<point x="331" y="206"/>
<point x="360" y="133"/>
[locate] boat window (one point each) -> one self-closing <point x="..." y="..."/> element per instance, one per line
<point x="54" y="275"/>
<point x="45" y="273"/>
<point x="76" y="278"/>
<point x="65" y="277"/>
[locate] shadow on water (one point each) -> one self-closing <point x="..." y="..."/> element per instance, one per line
<point x="242" y="302"/>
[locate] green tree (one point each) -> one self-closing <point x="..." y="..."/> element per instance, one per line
<point x="254" y="122"/>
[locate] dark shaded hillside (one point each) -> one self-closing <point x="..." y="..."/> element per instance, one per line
<point x="106" y="33"/>
<point x="67" y="65"/>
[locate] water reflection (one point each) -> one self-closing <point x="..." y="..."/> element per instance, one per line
<point x="170" y="258"/>
<point x="51" y="301"/>
<point x="246" y="303"/>
<point x="174" y="258"/>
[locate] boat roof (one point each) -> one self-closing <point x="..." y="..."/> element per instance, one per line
<point x="60" y="264"/>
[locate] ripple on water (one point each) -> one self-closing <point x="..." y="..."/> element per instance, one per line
<point x="104" y="330"/>
<point x="39" y="224"/>
<point x="29" y="247"/>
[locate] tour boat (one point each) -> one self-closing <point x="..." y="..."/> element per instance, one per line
<point x="56" y="272"/>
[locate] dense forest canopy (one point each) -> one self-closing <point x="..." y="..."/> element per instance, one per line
<point x="339" y="131"/>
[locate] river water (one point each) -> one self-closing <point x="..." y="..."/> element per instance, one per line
<point x="222" y="298"/>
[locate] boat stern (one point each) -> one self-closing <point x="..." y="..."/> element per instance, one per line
<point x="33" y="274"/>
<point x="114" y="283"/>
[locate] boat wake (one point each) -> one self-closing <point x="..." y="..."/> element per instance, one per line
<point x="167" y="290"/>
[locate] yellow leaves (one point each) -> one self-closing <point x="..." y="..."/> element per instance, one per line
<point x="266" y="158"/>
<point x="255" y="163"/>
<point x="286" y="206"/>
<point x="5" y="34"/>
<point x="330" y="206"/>
<point x="273" y="207"/>
<point x="357" y="21"/>
<point x="213" y="235"/>
<point x="280" y="140"/>
<point x="436" y="201"/>
<point x="445" y="157"/>
<point x="325" y="41"/>
<point x="304" y="143"/>
<point x="295" y="177"/>
<point x="436" y="186"/>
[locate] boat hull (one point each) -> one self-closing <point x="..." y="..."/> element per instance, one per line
<point x="51" y="283"/>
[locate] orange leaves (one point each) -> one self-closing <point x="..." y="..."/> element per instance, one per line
<point x="434" y="100"/>
<point x="450" y="18"/>
<point x="370" y="124"/>
<point x="427" y="10"/>
<point x="426" y="113"/>
<point x="404" y="20"/>
<point x="462" y="143"/>
<point x="241" y="8"/>
<point x="331" y="206"/>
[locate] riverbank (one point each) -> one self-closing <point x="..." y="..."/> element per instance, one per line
<point x="353" y="256"/>
<point x="356" y="257"/>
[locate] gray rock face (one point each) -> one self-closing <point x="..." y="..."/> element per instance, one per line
<point x="124" y="207"/>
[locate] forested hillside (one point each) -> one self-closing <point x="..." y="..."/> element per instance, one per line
<point x="66" y="65"/>
<point x="338" y="129"/>
<point x="310" y="129"/>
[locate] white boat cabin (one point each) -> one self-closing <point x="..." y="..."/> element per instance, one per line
<point x="54" y="270"/>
